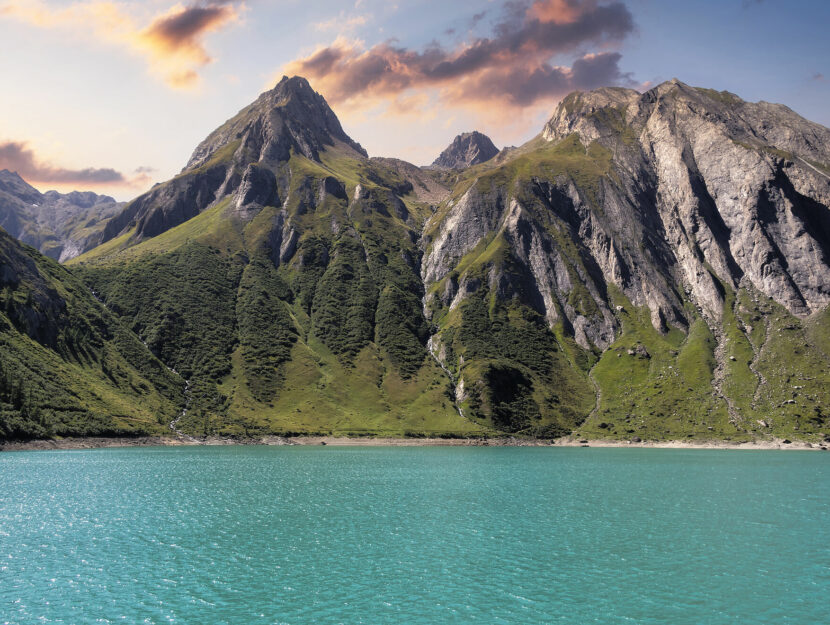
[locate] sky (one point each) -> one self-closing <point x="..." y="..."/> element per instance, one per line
<point x="113" y="96"/>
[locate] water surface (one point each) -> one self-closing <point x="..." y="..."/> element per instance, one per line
<point x="414" y="535"/>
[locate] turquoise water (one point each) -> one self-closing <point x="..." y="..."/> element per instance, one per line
<point x="414" y="535"/>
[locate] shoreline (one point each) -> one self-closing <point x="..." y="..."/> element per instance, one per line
<point x="71" y="443"/>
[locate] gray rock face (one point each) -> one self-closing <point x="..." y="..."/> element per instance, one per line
<point x="60" y="225"/>
<point x="258" y="187"/>
<point x="470" y="148"/>
<point x="690" y="191"/>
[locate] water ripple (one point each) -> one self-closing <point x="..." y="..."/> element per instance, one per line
<point x="416" y="535"/>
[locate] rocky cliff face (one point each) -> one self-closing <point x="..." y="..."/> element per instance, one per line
<point x="677" y="202"/>
<point x="467" y="149"/>
<point x="740" y="189"/>
<point x="61" y="225"/>
<point x="651" y="263"/>
<point x="675" y="192"/>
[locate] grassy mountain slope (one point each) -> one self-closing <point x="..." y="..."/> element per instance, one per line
<point x="326" y="337"/>
<point x="67" y="365"/>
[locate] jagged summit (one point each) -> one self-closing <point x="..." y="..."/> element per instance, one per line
<point x="291" y="115"/>
<point x="601" y="113"/>
<point x="467" y="149"/>
<point x="247" y="156"/>
<point x="60" y="225"/>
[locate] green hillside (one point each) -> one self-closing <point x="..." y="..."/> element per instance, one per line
<point x="68" y="367"/>
<point x="332" y="340"/>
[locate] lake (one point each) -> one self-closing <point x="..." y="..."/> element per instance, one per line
<point x="376" y="535"/>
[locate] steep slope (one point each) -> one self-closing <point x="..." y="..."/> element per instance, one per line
<point x="279" y="273"/>
<point x="67" y="366"/>
<point x="680" y="236"/>
<point x="466" y="150"/>
<point x="60" y="225"/>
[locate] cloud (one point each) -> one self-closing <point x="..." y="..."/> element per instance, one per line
<point x="513" y="67"/>
<point x="558" y="11"/>
<point x="172" y="43"/>
<point x="342" y="23"/>
<point x="17" y="156"/>
<point x="818" y="76"/>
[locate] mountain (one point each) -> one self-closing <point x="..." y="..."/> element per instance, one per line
<point x="60" y="225"/>
<point x="280" y="274"/>
<point x="675" y="242"/>
<point x="651" y="265"/>
<point x="67" y="365"/>
<point x="470" y="148"/>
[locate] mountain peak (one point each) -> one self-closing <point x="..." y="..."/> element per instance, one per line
<point x="6" y="174"/>
<point x="602" y="114"/>
<point x="293" y="84"/>
<point x="290" y="116"/>
<point x="467" y="149"/>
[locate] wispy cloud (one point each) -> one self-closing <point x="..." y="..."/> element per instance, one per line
<point x="17" y="156"/>
<point x="172" y="43"/>
<point x="342" y="23"/>
<point x="512" y="68"/>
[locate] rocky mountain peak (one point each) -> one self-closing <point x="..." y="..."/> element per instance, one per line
<point x="247" y="156"/>
<point x="290" y="116"/>
<point x="467" y="149"/>
<point x="60" y="225"/>
<point x="606" y="114"/>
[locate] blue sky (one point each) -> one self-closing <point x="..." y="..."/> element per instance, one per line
<point x="114" y="95"/>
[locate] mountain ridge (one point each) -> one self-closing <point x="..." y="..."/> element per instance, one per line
<point x="650" y="265"/>
<point x="61" y="225"/>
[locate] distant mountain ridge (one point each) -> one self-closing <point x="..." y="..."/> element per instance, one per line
<point x="651" y="265"/>
<point x="61" y="225"/>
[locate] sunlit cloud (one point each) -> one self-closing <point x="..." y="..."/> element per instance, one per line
<point x="17" y="156"/>
<point x="172" y="43"/>
<point x="509" y="71"/>
<point x="559" y="11"/>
